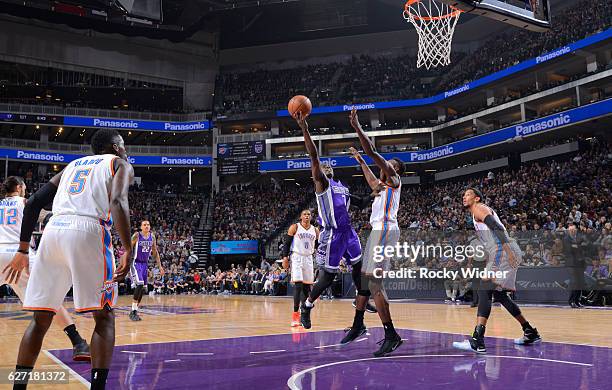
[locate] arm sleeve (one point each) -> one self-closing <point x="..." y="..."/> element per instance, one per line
<point x="359" y="202"/>
<point x="496" y="228"/>
<point x="287" y="247"/>
<point x="32" y="209"/>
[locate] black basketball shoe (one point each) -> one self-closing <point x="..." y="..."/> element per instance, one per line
<point x="530" y="336"/>
<point x="352" y="334"/>
<point x="388" y="345"/>
<point x="134" y="316"/>
<point x="81" y="353"/>
<point x="305" y="316"/>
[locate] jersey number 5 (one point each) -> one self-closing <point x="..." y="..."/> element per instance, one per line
<point x="78" y="181"/>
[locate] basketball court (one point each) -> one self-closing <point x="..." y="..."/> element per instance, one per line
<point x="241" y="340"/>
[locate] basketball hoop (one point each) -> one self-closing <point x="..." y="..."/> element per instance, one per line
<point x="435" y="23"/>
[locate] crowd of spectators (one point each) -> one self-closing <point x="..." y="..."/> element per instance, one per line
<point x="265" y="279"/>
<point x="256" y="212"/>
<point x="383" y="76"/>
<point x="174" y="219"/>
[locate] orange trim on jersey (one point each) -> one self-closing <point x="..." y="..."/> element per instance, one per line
<point x="39" y="309"/>
<point x="112" y="167"/>
<point x="92" y="308"/>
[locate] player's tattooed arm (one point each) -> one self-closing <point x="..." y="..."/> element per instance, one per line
<point x="319" y="178"/>
<point x="370" y="150"/>
<point x="372" y="180"/>
<point x="156" y="256"/>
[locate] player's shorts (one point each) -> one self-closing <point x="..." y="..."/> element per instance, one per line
<point x="498" y="261"/>
<point x="7" y="251"/>
<point x="74" y="251"/>
<point x="302" y="268"/>
<point x="335" y="245"/>
<point x="139" y="273"/>
<point x="381" y="237"/>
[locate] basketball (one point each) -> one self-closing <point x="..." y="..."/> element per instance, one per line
<point x="299" y="103"/>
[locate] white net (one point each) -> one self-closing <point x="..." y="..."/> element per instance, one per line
<point x="435" y="23"/>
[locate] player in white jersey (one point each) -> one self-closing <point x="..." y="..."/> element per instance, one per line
<point x="385" y="233"/>
<point x="11" y="214"/>
<point x="301" y="242"/>
<point x="503" y="256"/>
<point x="76" y="249"/>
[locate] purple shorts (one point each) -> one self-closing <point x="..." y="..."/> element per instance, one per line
<point x="138" y="274"/>
<point x="335" y="245"/>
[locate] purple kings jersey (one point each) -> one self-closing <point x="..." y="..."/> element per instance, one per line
<point x="143" y="248"/>
<point x="333" y="206"/>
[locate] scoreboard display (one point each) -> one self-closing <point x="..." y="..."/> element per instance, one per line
<point x="239" y="158"/>
<point x="31" y="119"/>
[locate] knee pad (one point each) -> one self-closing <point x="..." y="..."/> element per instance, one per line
<point x="484" y="304"/>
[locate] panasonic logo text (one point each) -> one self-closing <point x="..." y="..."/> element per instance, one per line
<point x="542" y="125"/>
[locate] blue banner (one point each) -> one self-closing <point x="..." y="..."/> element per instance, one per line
<point x="572" y="47"/>
<point x="127" y="124"/>
<point x="65" y="158"/>
<point x="526" y="129"/>
<point x="234" y="247"/>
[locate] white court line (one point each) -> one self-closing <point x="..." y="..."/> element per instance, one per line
<point x="328" y="346"/>
<point x="274" y="351"/>
<point x="292" y="381"/>
<point x="214" y="338"/>
<point x="135" y="352"/>
<point x="360" y="340"/>
<point x="195" y="354"/>
<point x="504" y="338"/>
<point x="84" y="381"/>
<point x="172" y="360"/>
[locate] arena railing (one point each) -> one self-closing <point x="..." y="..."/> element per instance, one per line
<point x="101" y="113"/>
<point x="86" y="149"/>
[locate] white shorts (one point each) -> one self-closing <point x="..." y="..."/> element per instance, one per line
<point x="7" y="251"/>
<point x="302" y="269"/>
<point x="74" y="251"/>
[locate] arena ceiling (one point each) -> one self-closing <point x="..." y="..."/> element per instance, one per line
<point x="240" y="23"/>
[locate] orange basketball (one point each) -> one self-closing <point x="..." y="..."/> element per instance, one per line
<point x="299" y="103"/>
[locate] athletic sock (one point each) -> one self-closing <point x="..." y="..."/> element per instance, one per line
<point x="526" y="326"/>
<point x="389" y="330"/>
<point x="134" y="306"/>
<point x="358" y="320"/>
<point x="72" y="333"/>
<point x="479" y="331"/>
<point x="98" y="378"/>
<point x="23" y="384"/>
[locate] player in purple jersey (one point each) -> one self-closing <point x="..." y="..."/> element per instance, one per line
<point x="338" y="240"/>
<point x="144" y="245"/>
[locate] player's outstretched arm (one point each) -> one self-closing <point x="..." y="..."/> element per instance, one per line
<point x="31" y="213"/>
<point x="372" y="180"/>
<point x="120" y="211"/>
<point x="319" y="178"/>
<point x="370" y="150"/>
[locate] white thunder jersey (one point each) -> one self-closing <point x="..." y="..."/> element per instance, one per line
<point x="84" y="189"/>
<point x="483" y="232"/>
<point x="11" y="215"/>
<point x="304" y="241"/>
<point x="385" y="207"/>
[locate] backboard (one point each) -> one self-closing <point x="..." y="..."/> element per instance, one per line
<point x="532" y="15"/>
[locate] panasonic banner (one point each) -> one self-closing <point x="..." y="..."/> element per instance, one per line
<point x="571" y="48"/>
<point x="64" y="158"/>
<point x="127" y="124"/>
<point x="515" y="132"/>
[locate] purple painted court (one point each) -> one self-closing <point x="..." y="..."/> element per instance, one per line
<point x="310" y="360"/>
